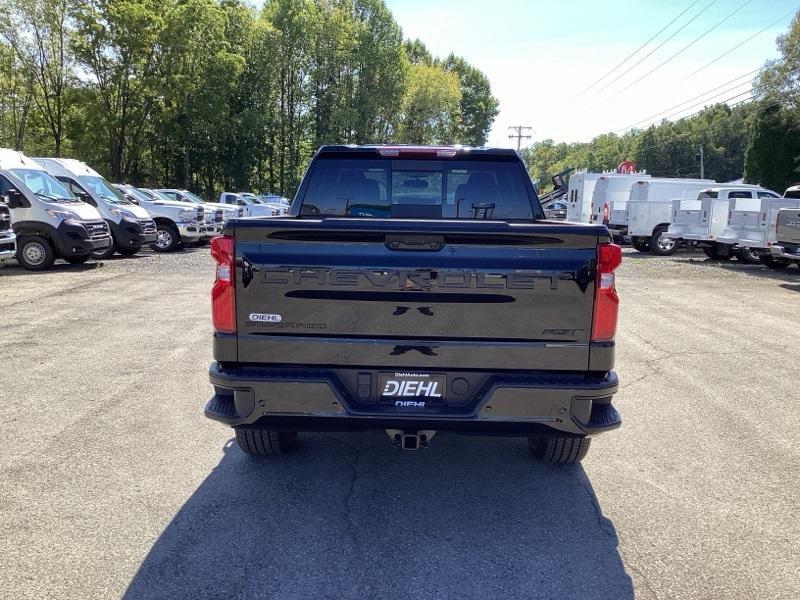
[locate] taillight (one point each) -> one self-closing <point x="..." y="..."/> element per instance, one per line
<point x="605" y="213"/>
<point x="223" y="305"/>
<point x="606" y="301"/>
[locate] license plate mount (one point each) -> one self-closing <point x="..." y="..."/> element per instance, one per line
<point x="413" y="389"/>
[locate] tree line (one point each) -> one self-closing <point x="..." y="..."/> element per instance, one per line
<point x="758" y="140"/>
<point x="211" y="94"/>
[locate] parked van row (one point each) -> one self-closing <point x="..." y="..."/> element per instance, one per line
<point x="60" y="208"/>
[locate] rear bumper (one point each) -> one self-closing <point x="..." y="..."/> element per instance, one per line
<point x="501" y="404"/>
<point x="787" y="252"/>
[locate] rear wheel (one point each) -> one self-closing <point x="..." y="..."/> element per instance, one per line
<point x="167" y="238"/>
<point x="773" y="262"/>
<point x="561" y="450"/>
<point x="662" y="245"/>
<point x="265" y="442"/>
<point x="35" y="253"/>
<point x="640" y="244"/>
<point x="748" y="256"/>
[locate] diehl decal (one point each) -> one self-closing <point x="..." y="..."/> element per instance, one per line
<point x="404" y="280"/>
<point x="265" y="318"/>
<point x="411" y="389"/>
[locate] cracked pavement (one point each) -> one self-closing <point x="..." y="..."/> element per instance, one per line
<point x="115" y="485"/>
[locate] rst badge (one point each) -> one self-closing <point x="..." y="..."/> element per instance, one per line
<point x="412" y="389"/>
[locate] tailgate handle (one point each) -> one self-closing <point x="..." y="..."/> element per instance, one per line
<point x="420" y="243"/>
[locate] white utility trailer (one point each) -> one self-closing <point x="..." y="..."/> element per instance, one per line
<point x="582" y="185"/>
<point x="649" y="211"/>
<point x="752" y="222"/>
<point x="701" y="221"/>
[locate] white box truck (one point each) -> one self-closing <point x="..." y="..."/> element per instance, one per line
<point x="650" y="210"/>
<point x="47" y="218"/>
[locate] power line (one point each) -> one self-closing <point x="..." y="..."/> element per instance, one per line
<point x="671" y="108"/>
<point x="635" y="52"/>
<point x="520" y="135"/>
<point x="739" y="45"/>
<point x="681" y="51"/>
<point x="649" y="54"/>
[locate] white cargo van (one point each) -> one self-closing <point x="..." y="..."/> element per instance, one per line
<point x="752" y="222"/>
<point x="131" y="226"/>
<point x="649" y="209"/>
<point x="701" y="221"/>
<point x="611" y="193"/>
<point x="48" y="220"/>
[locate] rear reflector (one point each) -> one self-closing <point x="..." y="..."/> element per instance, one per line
<point x="606" y="301"/>
<point x="223" y="301"/>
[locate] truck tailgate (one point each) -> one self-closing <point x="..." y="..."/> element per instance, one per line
<point x="396" y="292"/>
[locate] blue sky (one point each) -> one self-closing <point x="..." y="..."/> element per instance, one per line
<point x="540" y="54"/>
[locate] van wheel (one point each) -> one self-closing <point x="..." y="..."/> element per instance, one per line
<point x="167" y="238"/>
<point x="641" y="245"/>
<point x="773" y="262"/>
<point x="35" y="253"/>
<point x="561" y="450"/>
<point x="662" y="245"/>
<point x="265" y="442"/>
<point x="748" y="256"/>
<point x="77" y="260"/>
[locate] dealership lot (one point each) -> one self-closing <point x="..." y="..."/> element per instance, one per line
<point x="114" y="484"/>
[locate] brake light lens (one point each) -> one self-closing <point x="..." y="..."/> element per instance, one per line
<point x="223" y="300"/>
<point x="606" y="300"/>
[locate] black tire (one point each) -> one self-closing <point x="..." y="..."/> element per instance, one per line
<point x="660" y="245"/>
<point x="168" y="238"/>
<point x="640" y="245"/>
<point x="561" y="450"/>
<point x="265" y="442"/>
<point x="773" y="262"/>
<point x="35" y="253"/>
<point x="129" y="251"/>
<point x="78" y="260"/>
<point x="748" y="256"/>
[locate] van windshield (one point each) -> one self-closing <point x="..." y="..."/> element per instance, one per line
<point x="44" y="185"/>
<point x="193" y="197"/>
<point x="103" y="189"/>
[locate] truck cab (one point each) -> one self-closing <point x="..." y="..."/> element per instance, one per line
<point x="249" y="207"/>
<point x="130" y="225"/>
<point x="277" y="208"/>
<point x="49" y="221"/>
<point x="176" y="223"/>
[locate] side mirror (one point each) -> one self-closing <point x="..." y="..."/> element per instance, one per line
<point x="13" y="198"/>
<point x="131" y="198"/>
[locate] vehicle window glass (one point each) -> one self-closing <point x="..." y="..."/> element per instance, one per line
<point x="767" y="195"/>
<point x="740" y="195"/>
<point x="792" y="194"/>
<point x="138" y="194"/>
<point x="100" y="187"/>
<point x="44" y="185"/>
<point x="404" y="188"/>
<point x="702" y="195"/>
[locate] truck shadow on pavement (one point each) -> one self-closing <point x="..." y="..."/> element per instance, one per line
<point x="348" y="516"/>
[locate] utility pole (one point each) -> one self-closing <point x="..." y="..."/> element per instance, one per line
<point x="521" y="133"/>
<point x="701" y="157"/>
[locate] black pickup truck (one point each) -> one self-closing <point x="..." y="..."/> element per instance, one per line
<point x="415" y="290"/>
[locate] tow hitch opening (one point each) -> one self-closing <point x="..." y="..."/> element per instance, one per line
<point x="410" y="440"/>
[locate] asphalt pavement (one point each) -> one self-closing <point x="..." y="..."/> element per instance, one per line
<point x="114" y="485"/>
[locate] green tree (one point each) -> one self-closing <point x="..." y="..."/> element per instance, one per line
<point x="431" y="106"/>
<point x="478" y="107"/>
<point x="773" y="147"/>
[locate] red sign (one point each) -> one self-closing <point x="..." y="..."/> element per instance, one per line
<point x="626" y="167"/>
